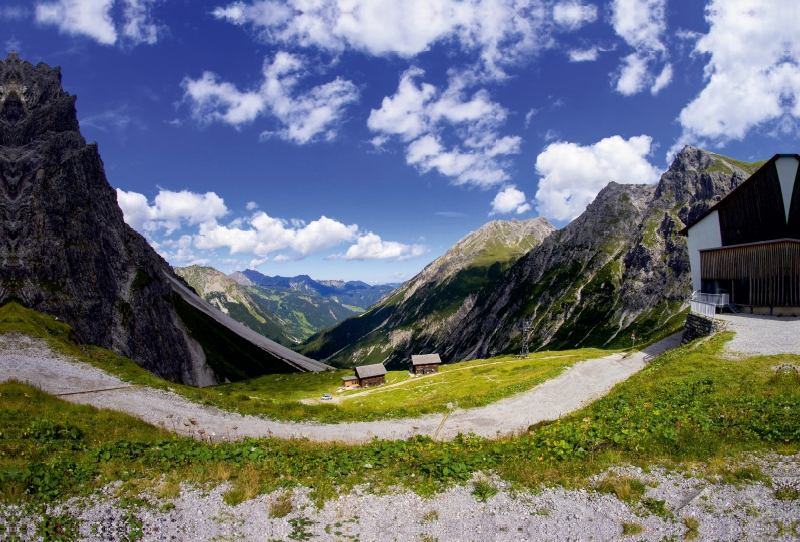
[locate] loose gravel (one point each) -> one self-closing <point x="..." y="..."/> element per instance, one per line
<point x="762" y="335"/>
<point x="721" y="512"/>
<point x="31" y="360"/>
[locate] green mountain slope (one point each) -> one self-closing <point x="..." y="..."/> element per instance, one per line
<point x="302" y="311"/>
<point x="234" y="300"/>
<point x="618" y="268"/>
<point x="416" y="317"/>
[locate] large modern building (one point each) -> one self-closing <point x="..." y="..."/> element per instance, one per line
<point x="748" y="244"/>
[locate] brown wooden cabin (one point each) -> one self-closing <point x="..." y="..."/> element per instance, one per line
<point x="424" y="364"/>
<point x="350" y="382"/>
<point x="748" y="244"/>
<point x="371" y="375"/>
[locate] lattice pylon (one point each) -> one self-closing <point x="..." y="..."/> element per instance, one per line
<point x="527" y="327"/>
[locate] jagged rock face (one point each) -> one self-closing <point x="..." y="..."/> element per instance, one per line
<point x="619" y="267"/>
<point x="64" y="246"/>
<point x="419" y="316"/>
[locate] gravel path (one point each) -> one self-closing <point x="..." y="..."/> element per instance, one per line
<point x="721" y="512"/>
<point x="31" y="360"/>
<point x="762" y="335"/>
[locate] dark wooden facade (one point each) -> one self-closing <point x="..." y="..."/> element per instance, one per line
<point x="760" y="275"/>
<point x="754" y="212"/>
<point x="372" y="381"/>
<point x="758" y="264"/>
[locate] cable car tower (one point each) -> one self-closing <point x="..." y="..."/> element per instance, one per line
<point x="527" y="328"/>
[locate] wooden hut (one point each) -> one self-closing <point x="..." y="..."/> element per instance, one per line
<point x="371" y="375"/>
<point x="747" y="246"/>
<point x="424" y="364"/>
<point x="350" y="382"/>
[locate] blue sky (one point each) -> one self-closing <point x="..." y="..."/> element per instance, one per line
<point x="360" y="139"/>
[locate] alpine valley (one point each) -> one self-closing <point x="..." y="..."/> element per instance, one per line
<point x="618" y="268"/>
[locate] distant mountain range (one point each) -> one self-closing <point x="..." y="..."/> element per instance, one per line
<point x="285" y="309"/>
<point x="618" y="268"/>
<point x="353" y="293"/>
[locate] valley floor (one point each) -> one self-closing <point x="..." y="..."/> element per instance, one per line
<point x="32" y="361"/>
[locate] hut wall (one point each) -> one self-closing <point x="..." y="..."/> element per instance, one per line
<point x="373" y="381"/>
<point x="771" y="272"/>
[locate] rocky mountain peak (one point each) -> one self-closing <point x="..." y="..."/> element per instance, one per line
<point x="697" y="179"/>
<point x="241" y="278"/>
<point x="33" y="101"/>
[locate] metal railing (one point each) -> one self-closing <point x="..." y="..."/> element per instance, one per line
<point x="718" y="300"/>
<point x="709" y="310"/>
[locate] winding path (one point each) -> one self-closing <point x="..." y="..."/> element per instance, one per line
<point x="31" y="360"/>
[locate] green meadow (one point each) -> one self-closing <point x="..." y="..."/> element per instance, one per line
<point x="690" y="408"/>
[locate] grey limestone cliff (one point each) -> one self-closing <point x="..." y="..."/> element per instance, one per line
<point x="64" y="247"/>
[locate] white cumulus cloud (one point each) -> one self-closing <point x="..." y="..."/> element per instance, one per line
<point x="573" y="174"/>
<point x="371" y="247"/>
<point x="303" y="116"/>
<point x="170" y="210"/>
<point x="138" y="26"/>
<point x="642" y="24"/>
<point x="93" y="18"/>
<point x="499" y="31"/>
<point x="574" y="14"/>
<point x="262" y="235"/>
<point x="752" y="73"/>
<point x="510" y="200"/>
<point x="426" y="118"/>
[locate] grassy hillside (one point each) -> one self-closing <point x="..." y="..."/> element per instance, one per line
<point x="303" y="312"/>
<point x="229" y="355"/>
<point x="690" y="409"/>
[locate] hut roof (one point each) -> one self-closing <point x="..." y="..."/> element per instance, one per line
<point x="349" y="378"/>
<point x="733" y="193"/>
<point x="425" y="359"/>
<point x="368" y="371"/>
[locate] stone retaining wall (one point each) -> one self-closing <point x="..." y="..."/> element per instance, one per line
<point x="698" y="326"/>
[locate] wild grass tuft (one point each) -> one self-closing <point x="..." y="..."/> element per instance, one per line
<point x="627" y="489"/>
<point x="692" y="528"/>
<point x="281" y="505"/>
<point x="483" y="490"/>
<point x="632" y="529"/>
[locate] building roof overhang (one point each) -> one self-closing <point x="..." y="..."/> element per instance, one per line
<point x="685" y="230"/>
<point x="425" y="359"/>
